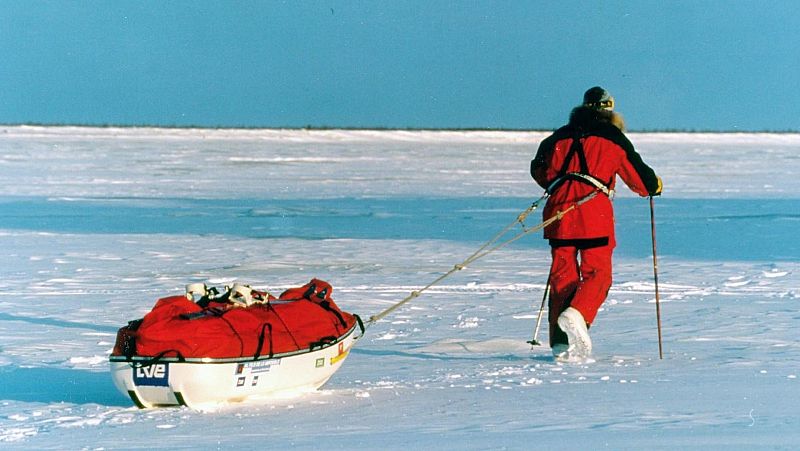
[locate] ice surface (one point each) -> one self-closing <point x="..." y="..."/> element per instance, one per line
<point x="95" y="224"/>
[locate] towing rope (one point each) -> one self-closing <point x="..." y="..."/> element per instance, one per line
<point x="489" y="247"/>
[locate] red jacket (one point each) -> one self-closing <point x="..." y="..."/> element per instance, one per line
<point x="604" y="152"/>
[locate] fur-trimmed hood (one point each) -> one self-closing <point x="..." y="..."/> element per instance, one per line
<point x="584" y="117"/>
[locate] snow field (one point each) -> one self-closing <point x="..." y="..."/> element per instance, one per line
<point x="97" y="224"/>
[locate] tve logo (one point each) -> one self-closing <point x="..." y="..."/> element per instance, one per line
<point x="156" y="374"/>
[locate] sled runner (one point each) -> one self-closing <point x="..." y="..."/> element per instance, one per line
<point x="207" y="348"/>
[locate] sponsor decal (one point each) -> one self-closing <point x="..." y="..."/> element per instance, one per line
<point x="156" y="375"/>
<point x="320" y="363"/>
<point x="248" y="369"/>
<point x="261" y="366"/>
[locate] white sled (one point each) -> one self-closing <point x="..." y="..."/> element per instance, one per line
<point x="202" y="383"/>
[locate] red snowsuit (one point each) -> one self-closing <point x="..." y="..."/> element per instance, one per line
<point x="561" y="166"/>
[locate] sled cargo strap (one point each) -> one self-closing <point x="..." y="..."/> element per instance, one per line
<point x="155" y="359"/>
<point x="327" y="307"/>
<point x="322" y="342"/>
<point x="264" y="328"/>
<point x="360" y="325"/>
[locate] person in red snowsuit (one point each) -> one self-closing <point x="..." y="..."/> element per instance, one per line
<point x="584" y="157"/>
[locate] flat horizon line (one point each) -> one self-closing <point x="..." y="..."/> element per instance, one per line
<point x="374" y="128"/>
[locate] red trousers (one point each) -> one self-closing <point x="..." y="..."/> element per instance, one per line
<point x="581" y="283"/>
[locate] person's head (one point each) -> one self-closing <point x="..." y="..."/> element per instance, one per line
<point x="598" y="98"/>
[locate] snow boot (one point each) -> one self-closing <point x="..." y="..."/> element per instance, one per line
<point x="580" y="344"/>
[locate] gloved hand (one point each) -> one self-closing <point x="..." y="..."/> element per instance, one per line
<point x="659" y="188"/>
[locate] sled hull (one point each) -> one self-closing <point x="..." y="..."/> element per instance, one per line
<point x="203" y="382"/>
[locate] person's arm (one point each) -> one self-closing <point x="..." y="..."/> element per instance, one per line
<point x="540" y="162"/>
<point x="639" y="177"/>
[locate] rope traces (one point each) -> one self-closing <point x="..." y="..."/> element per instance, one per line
<point x="490" y="246"/>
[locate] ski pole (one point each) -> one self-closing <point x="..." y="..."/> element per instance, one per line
<point x="655" y="277"/>
<point x="534" y="341"/>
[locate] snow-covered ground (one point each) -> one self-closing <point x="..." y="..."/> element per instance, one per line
<point x="96" y="224"/>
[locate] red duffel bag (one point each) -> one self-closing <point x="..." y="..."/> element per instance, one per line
<point x="301" y="318"/>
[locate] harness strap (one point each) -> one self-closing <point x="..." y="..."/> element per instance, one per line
<point x="576" y="148"/>
<point x="580" y="177"/>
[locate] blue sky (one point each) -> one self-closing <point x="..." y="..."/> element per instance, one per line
<point x="694" y="65"/>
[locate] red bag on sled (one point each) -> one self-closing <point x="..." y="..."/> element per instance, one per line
<point x="301" y="318"/>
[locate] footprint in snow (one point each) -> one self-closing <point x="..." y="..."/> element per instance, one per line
<point x="775" y="273"/>
<point x="737" y="284"/>
<point x="737" y="281"/>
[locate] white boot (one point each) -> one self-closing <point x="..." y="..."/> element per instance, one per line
<point x="572" y="323"/>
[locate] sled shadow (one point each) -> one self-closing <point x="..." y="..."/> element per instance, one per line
<point x="58" y="323"/>
<point x="56" y="385"/>
<point x="457" y="356"/>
